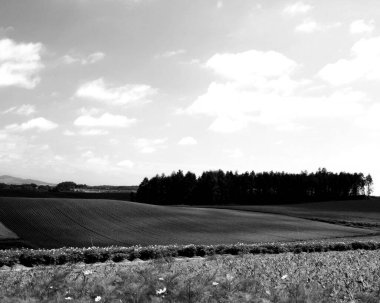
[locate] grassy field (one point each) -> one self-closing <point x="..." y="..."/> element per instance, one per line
<point x="351" y="276"/>
<point x="60" y="222"/>
<point x="360" y="213"/>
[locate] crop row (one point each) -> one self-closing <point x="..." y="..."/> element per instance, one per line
<point x="31" y="257"/>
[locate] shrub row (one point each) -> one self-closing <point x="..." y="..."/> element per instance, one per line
<point x="31" y="257"/>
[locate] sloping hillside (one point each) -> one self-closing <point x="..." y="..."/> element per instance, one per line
<point x="364" y="213"/>
<point x="75" y="222"/>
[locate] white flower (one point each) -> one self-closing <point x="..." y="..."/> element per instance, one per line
<point x="229" y="277"/>
<point x="87" y="272"/>
<point x="161" y="279"/>
<point x="284" y="277"/>
<point x="161" y="291"/>
<point x="267" y="292"/>
<point x="68" y="298"/>
<point x="98" y="298"/>
<point x="215" y="283"/>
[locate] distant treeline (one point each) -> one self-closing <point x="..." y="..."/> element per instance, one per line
<point x="219" y="187"/>
<point x="69" y="189"/>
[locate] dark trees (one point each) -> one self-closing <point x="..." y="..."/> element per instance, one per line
<point x="219" y="187"/>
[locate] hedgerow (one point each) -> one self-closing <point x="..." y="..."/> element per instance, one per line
<point x="31" y="257"/>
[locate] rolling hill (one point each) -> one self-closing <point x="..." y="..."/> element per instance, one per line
<point x="57" y="222"/>
<point x="19" y="181"/>
<point x="365" y="213"/>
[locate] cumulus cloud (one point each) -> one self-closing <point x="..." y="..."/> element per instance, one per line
<point x="187" y="141"/>
<point x="252" y="94"/>
<point x="24" y="110"/>
<point x="117" y="95"/>
<point x="20" y="63"/>
<point x="362" y="27"/>
<point x="234" y="110"/>
<point x="309" y="26"/>
<point x="40" y="124"/>
<point x="126" y="164"/>
<point x="90" y="59"/>
<point x="250" y="65"/>
<point x="363" y="64"/>
<point x="147" y="146"/>
<point x="105" y="120"/>
<point x="297" y="8"/>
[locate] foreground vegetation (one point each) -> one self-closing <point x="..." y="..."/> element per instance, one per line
<point x="351" y="276"/>
<point x="30" y="257"/>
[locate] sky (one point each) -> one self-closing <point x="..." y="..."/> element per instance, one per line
<point x="111" y="91"/>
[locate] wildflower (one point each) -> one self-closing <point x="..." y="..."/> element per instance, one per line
<point x="229" y="277"/>
<point x="161" y="279"/>
<point x="267" y="292"/>
<point x="68" y="298"/>
<point x="87" y="272"/>
<point x="161" y="291"/>
<point x="215" y="283"/>
<point x="284" y="277"/>
<point x="98" y="298"/>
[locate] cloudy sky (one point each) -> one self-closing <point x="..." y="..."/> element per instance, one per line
<point x="110" y="91"/>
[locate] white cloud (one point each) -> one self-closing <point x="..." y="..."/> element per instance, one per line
<point x="361" y="26"/>
<point x="67" y="132"/>
<point x="363" y="64"/>
<point x="121" y="95"/>
<point x="126" y="164"/>
<point x="309" y="26"/>
<point x="252" y="65"/>
<point x="24" y="110"/>
<point x="173" y="53"/>
<point x="236" y="103"/>
<point x="89" y="111"/>
<point x="297" y="8"/>
<point x="90" y="59"/>
<point x="187" y="141"/>
<point x="20" y="63"/>
<point x="234" y="109"/>
<point x="147" y="146"/>
<point x="105" y="120"/>
<point x="40" y="124"/>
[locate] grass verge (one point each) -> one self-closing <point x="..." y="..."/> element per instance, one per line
<point x="90" y="255"/>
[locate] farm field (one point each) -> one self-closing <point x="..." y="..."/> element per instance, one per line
<point x="365" y="213"/>
<point x="351" y="276"/>
<point x="52" y="223"/>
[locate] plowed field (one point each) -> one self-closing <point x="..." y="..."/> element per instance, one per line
<point x="50" y="223"/>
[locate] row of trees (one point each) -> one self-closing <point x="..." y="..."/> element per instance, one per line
<point x="219" y="187"/>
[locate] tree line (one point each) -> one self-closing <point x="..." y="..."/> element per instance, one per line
<point x="249" y="188"/>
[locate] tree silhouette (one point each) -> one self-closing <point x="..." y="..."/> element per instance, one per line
<point x="219" y="187"/>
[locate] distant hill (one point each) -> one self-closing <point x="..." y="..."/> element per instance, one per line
<point x="18" y="181"/>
